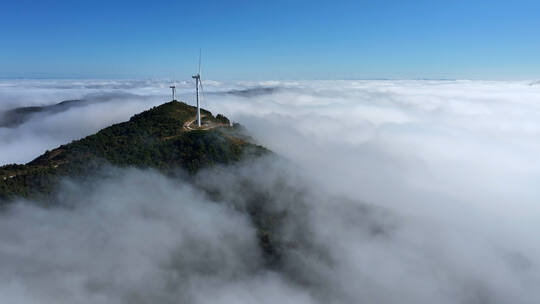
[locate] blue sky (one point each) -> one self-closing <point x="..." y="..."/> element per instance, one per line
<point x="271" y="39"/>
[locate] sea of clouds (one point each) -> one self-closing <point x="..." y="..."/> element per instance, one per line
<point x="396" y="192"/>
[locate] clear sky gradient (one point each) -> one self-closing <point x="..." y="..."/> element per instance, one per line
<point x="275" y="39"/>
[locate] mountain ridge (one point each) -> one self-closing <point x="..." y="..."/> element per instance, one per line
<point x="163" y="137"/>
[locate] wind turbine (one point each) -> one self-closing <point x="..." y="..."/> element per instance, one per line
<point x="173" y="87"/>
<point x="198" y="83"/>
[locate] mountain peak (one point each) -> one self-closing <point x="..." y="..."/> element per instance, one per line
<point x="183" y="114"/>
<point x="164" y="137"/>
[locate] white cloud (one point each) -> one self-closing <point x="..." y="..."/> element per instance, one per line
<point x="417" y="192"/>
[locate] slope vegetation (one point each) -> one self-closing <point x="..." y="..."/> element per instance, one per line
<point x="156" y="138"/>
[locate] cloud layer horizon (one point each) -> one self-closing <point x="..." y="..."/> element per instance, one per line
<point x="412" y="191"/>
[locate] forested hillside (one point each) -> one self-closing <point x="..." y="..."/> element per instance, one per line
<point x="156" y="138"/>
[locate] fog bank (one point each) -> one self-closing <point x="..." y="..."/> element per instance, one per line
<point x="395" y="191"/>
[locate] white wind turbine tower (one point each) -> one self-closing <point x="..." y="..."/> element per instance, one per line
<point x="198" y="83"/>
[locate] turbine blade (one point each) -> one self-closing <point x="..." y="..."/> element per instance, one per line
<point x="199" y="62"/>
